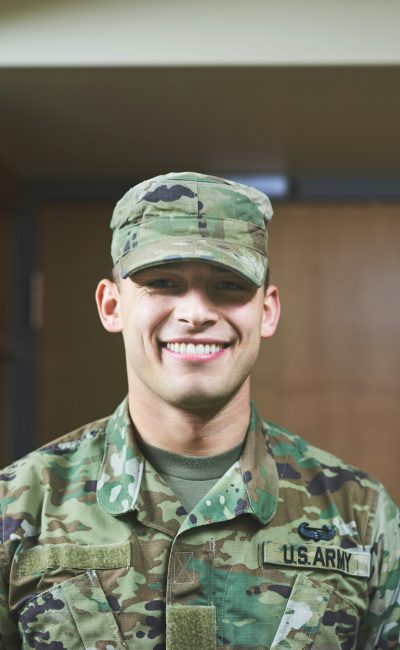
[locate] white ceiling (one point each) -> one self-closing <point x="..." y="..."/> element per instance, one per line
<point x="210" y="32"/>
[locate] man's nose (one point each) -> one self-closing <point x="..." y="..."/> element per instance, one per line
<point x="196" y="308"/>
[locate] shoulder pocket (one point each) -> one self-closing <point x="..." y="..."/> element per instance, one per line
<point x="73" y="615"/>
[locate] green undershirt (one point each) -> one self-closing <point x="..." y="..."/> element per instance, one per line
<point x="190" y="477"/>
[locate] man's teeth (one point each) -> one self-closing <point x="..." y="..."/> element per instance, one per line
<point x="191" y="348"/>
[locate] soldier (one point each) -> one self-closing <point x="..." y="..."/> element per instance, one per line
<point x="183" y="520"/>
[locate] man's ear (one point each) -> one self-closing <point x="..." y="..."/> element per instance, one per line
<point x="271" y="312"/>
<point x="108" y="302"/>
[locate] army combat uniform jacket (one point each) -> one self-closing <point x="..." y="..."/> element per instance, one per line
<point x="291" y="548"/>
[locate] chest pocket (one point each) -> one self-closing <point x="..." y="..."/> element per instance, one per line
<point x="74" y="614"/>
<point x="303" y="614"/>
<point x="318" y="608"/>
<point x="292" y="597"/>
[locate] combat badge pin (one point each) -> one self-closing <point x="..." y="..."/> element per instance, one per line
<point x="316" y="534"/>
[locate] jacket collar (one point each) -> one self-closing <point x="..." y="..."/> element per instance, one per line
<point x="121" y="471"/>
<point x="250" y="485"/>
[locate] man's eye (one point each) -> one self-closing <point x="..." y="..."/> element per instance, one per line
<point x="229" y="284"/>
<point x="161" y="283"/>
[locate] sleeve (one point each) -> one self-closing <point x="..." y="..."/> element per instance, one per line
<point x="380" y="628"/>
<point x="9" y="637"/>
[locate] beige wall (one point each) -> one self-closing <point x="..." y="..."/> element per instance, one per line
<point x="330" y="373"/>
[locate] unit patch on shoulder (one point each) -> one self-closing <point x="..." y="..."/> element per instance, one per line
<point x="354" y="562"/>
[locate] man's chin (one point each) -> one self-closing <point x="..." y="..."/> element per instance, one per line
<point x="200" y="402"/>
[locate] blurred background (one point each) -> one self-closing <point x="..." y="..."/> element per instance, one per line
<point x="300" y="98"/>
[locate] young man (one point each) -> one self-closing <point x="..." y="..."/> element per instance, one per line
<point x="184" y="521"/>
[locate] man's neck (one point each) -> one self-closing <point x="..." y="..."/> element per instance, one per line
<point x="187" y="432"/>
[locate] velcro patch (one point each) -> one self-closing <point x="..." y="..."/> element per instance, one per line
<point x="73" y="556"/>
<point x="191" y="626"/>
<point x="318" y="556"/>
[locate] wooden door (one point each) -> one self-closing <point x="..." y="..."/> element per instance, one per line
<point x="330" y="373"/>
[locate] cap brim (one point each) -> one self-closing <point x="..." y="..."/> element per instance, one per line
<point x="242" y="260"/>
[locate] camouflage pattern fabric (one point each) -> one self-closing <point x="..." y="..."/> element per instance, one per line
<point x="192" y="216"/>
<point x="291" y="548"/>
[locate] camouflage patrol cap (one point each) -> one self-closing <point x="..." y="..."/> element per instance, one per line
<point x="192" y="216"/>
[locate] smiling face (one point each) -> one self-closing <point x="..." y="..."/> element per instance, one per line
<point x="191" y="331"/>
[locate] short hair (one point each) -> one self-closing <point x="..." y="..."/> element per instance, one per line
<point x="266" y="281"/>
<point x="115" y="275"/>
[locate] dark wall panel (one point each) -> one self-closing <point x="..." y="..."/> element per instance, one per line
<point x="81" y="372"/>
<point x="6" y="335"/>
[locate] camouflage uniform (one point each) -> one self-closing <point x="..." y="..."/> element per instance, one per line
<point x="291" y="548"/>
<point x="97" y="552"/>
